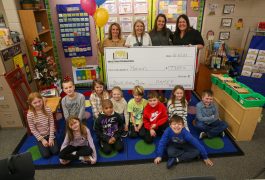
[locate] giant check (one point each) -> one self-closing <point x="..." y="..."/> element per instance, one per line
<point x="151" y="67"/>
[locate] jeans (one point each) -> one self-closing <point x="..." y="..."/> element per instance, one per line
<point x="213" y="129"/>
<point x="117" y="146"/>
<point x="147" y="136"/>
<point x="47" y="152"/>
<point x="184" y="152"/>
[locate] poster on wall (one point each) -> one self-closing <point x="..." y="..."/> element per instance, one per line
<point x="140" y="6"/>
<point x="85" y="74"/>
<point x="74" y="30"/>
<point x="125" y="7"/>
<point x="172" y="8"/>
<point x="111" y="6"/>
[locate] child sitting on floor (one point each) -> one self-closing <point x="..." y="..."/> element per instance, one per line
<point x="181" y="146"/>
<point x="73" y="103"/>
<point x="155" y="117"/>
<point x="207" y="117"/>
<point x="78" y="143"/>
<point x="120" y="106"/>
<point x="41" y="124"/>
<point x="135" y="109"/>
<point x="97" y="96"/>
<point x="108" y="128"/>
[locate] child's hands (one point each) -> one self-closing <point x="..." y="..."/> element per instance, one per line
<point x="136" y="128"/>
<point x="152" y="133"/>
<point x="112" y="140"/>
<point x="153" y="126"/>
<point x="92" y="160"/>
<point x="208" y="162"/>
<point x="126" y="128"/>
<point x="157" y="160"/>
<point x="44" y="142"/>
<point x="51" y="142"/>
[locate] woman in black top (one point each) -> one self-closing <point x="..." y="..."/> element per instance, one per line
<point x="186" y="35"/>
<point x="160" y="34"/>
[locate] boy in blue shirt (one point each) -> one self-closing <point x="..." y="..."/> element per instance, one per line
<point x="207" y="117"/>
<point x="180" y="144"/>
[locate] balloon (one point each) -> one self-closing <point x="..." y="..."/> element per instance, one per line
<point x="89" y="6"/>
<point x="101" y="17"/>
<point x="99" y="2"/>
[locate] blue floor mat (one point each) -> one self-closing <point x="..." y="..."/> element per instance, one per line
<point x="135" y="150"/>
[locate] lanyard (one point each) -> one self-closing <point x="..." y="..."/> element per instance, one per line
<point x="141" y="42"/>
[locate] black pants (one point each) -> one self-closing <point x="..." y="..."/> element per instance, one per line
<point x="108" y="148"/>
<point x="66" y="153"/>
<point x="134" y="134"/>
<point x="147" y="136"/>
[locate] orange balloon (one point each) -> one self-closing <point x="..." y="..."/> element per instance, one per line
<point x="101" y="17"/>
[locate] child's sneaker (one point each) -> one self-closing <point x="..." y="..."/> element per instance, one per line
<point x="223" y="134"/>
<point x="171" y="162"/>
<point x="124" y="134"/>
<point x="203" y="135"/>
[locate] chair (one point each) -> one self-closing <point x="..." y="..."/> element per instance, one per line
<point x="21" y="89"/>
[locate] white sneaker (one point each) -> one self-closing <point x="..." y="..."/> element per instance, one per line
<point x="202" y="135"/>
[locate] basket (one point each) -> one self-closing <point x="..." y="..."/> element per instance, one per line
<point x="251" y="103"/>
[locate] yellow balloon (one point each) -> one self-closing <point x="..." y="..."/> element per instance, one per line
<point x="101" y="17"/>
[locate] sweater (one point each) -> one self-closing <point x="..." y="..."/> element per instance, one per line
<point x="155" y="115"/>
<point x="161" y="38"/>
<point x="183" y="137"/>
<point x="131" y="40"/>
<point x="108" y="126"/>
<point x="80" y="141"/>
<point x="177" y="108"/>
<point x="207" y="114"/>
<point x="74" y="107"/>
<point x="41" y="125"/>
<point x="95" y="101"/>
<point x="120" y="107"/>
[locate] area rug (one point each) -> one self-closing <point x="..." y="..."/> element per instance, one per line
<point x="135" y="150"/>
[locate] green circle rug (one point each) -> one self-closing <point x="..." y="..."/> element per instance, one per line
<point x="112" y="154"/>
<point x="144" y="149"/>
<point x="35" y="153"/>
<point x="214" y="143"/>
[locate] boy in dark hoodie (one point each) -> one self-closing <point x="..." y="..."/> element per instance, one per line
<point x="155" y="117"/>
<point x="108" y="128"/>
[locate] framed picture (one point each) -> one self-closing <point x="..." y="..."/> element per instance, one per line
<point x="226" y="22"/>
<point x="224" y="35"/>
<point x="229" y="8"/>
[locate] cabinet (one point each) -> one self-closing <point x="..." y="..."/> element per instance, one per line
<point x="203" y="78"/>
<point x="241" y="121"/>
<point x="10" y="114"/>
<point x="35" y="25"/>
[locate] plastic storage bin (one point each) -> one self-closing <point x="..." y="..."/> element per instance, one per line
<point x="251" y="103"/>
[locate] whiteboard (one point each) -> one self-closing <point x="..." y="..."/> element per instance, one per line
<point x="154" y="67"/>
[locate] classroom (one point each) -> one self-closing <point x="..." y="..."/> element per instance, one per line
<point x="132" y="89"/>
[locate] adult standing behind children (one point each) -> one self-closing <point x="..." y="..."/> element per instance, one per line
<point x="114" y="38"/>
<point x="108" y="128"/>
<point x="97" y="96"/>
<point x="155" y="117"/>
<point x="160" y="34"/>
<point x="73" y="103"/>
<point x="41" y="124"/>
<point x="138" y="37"/>
<point x="207" y="117"/>
<point x="181" y="146"/>
<point x="186" y="35"/>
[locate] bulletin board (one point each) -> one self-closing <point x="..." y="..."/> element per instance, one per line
<point x="74" y="30"/>
<point x="126" y="12"/>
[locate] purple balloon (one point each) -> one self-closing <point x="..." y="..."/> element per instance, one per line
<point x="89" y="6"/>
<point x="99" y="2"/>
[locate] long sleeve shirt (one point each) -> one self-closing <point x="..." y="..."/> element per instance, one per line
<point x="155" y="115"/>
<point x="120" y="107"/>
<point x="207" y="114"/>
<point x="177" y="108"/>
<point x="96" y="105"/>
<point x="108" y="126"/>
<point x="183" y="137"/>
<point x="41" y="125"/>
<point x="80" y="140"/>
<point x="74" y="106"/>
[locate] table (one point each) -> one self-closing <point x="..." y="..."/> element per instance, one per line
<point x="53" y="103"/>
